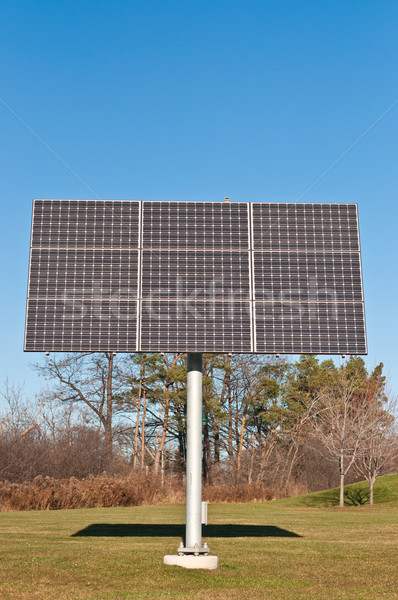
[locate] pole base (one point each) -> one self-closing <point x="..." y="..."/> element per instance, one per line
<point x="189" y="561"/>
<point x="195" y="550"/>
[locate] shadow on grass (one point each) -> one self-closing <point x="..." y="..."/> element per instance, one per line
<point x="162" y="530"/>
<point x="354" y="495"/>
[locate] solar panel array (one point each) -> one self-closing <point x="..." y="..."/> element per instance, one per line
<point x="195" y="277"/>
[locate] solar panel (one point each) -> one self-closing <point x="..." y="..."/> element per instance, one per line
<point x="83" y="283"/>
<point x="308" y="227"/>
<point x="195" y="277"/>
<point x="196" y="225"/>
<point x="195" y="326"/>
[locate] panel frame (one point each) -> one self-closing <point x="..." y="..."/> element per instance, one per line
<point x="252" y="248"/>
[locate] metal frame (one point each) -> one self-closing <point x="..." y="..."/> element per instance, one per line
<point x="252" y="345"/>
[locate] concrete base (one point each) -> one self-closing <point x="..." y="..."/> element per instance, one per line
<point x="189" y="561"/>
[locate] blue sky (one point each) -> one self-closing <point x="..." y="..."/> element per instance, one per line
<point x="196" y="101"/>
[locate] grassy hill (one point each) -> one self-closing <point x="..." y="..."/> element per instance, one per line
<point x="356" y="494"/>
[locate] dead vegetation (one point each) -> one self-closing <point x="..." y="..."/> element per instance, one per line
<point x="47" y="493"/>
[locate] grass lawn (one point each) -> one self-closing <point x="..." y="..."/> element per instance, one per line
<point x="289" y="549"/>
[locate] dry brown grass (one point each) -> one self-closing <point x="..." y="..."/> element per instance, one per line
<point x="240" y="492"/>
<point x="47" y="493"/>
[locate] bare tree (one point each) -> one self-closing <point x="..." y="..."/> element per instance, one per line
<point x="340" y="422"/>
<point x="40" y="436"/>
<point x="379" y="444"/>
<point x="92" y="379"/>
<point x="21" y="417"/>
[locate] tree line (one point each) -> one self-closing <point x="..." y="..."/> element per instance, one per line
<point x="291" y="426"/>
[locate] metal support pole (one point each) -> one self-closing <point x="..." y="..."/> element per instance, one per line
<point x="193" y="537"/>
<point x="193" y="529"/>
<point x="193" y="555"/>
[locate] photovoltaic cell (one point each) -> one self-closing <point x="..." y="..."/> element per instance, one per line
<point x="308" y="227"/>
<point x="56" y="273"/>
<point x="195" y="276"/>
<point x="85" y="224"/>
<point x="77" y="325"/>
<point x="308" y="276"/>
<point x="196" y="225"/>
<point x="192" y="326"/>
<point x="310" y="328"/>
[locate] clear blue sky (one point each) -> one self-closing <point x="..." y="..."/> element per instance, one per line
<point x="178" y="100"/>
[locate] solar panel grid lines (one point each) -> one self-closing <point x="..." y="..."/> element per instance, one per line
<point x="202" y="262"/>
<point x="251" y="275"/>
<point x="162" y="318"/>
<point x="219" y="286"/>
<point x="192" y="225"/>
<point x="195" y="274"/>
<point x="309" y="328"/>
<point x="71" y="217"/>
<point x="362" y="287"/>
<point x="139" y="279"/>
<point x="280" y="286"/>
<point x="302" y="275"/>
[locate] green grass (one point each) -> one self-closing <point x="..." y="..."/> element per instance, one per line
<point x="276" y="550"/>
<point x="356" y="494"/>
